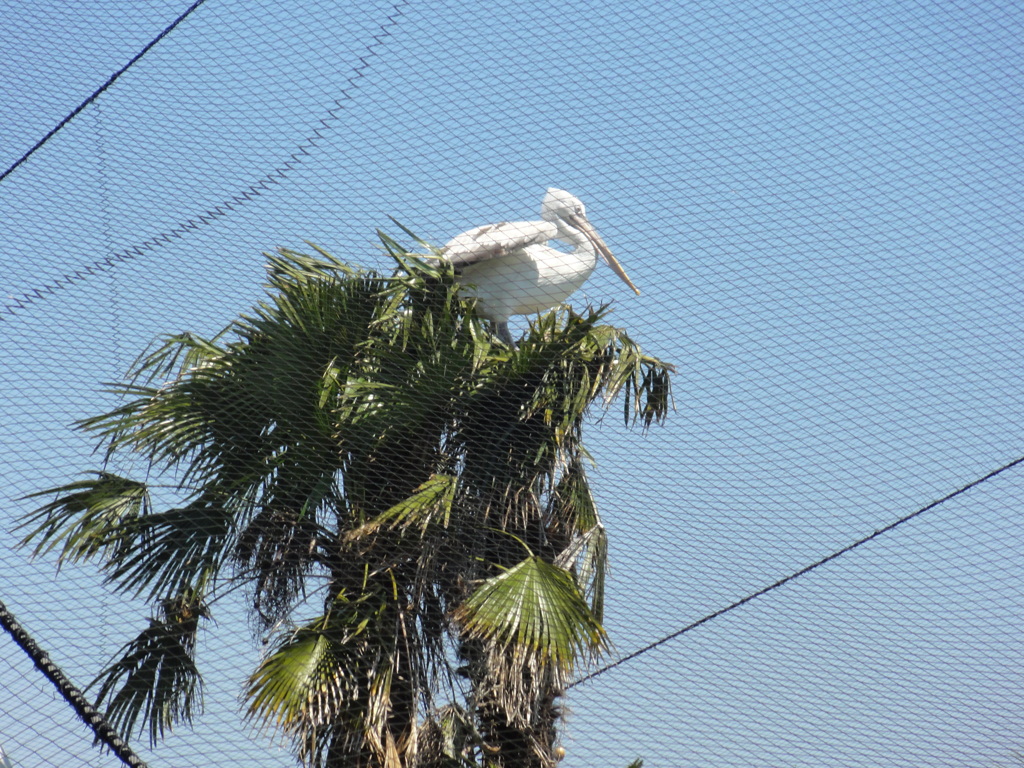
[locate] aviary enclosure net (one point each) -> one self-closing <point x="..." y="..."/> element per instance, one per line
<point x="821" y="205"/>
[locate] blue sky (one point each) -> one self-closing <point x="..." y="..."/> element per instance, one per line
<point x="821" y="203"/>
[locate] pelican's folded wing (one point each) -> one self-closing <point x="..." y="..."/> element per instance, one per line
<point x="494" y="240"/>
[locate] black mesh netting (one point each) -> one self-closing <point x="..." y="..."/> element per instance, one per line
<point x="821" y="203"/>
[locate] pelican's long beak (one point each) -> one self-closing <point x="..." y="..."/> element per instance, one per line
<point x="587" y="229"/>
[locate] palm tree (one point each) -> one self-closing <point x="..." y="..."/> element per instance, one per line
<point x="359" y="447"/>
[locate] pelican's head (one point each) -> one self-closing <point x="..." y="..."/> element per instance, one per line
<point x="567" y="212"/>
<point x="559" y="204"/>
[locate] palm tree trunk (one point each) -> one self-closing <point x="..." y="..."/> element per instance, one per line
<point x="509" y="744"/>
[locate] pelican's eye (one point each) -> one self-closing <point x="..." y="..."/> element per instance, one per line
<point x="578" y="210"/>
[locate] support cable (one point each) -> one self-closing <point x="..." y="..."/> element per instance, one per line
<point x="795" y="575"/>
<point x="72" y="695"/>
<point x="95" y="94"/>
<point x="251" y="192"/>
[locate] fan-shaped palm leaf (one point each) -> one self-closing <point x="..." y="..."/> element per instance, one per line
<point x="534" y="610"/>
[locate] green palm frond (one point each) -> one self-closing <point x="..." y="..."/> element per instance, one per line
<point x="534" y="611"/>
<point x="572" y="502"/>
<point x="175" y="357"/>
<point x="299" y="685"/>
<point x="587" y="557"/>
<point x="166" y="551"/>
<point x="329" y="683"/>
<point x="364" y="429"/>
<point x="526" y="412"/>
<point x="430" y="504"/>
<point x="156" y="677"/>
<point x="141" y="550"/>
<point x="88" y="518"/>
<point x="287" y="265"/>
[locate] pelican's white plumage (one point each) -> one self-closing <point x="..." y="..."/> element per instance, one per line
<point x="511" y="270"/>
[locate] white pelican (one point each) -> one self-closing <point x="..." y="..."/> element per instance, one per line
<point x="511" y="271"/>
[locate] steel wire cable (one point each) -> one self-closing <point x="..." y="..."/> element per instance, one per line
<point x="99" y="91"/>
<point x="252" y="191"/>
<point x="793" y="576"/>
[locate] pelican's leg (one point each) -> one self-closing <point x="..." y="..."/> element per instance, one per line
<point x="502" y="332"/>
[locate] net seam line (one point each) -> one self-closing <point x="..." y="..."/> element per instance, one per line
<point x="31" y="296"/>
<point x="96" y="94"/>
<point x="796" y="574"/>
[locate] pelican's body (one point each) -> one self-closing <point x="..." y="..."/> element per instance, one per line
<point x="511" y="270"/>
<point x="523" y="279"/>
